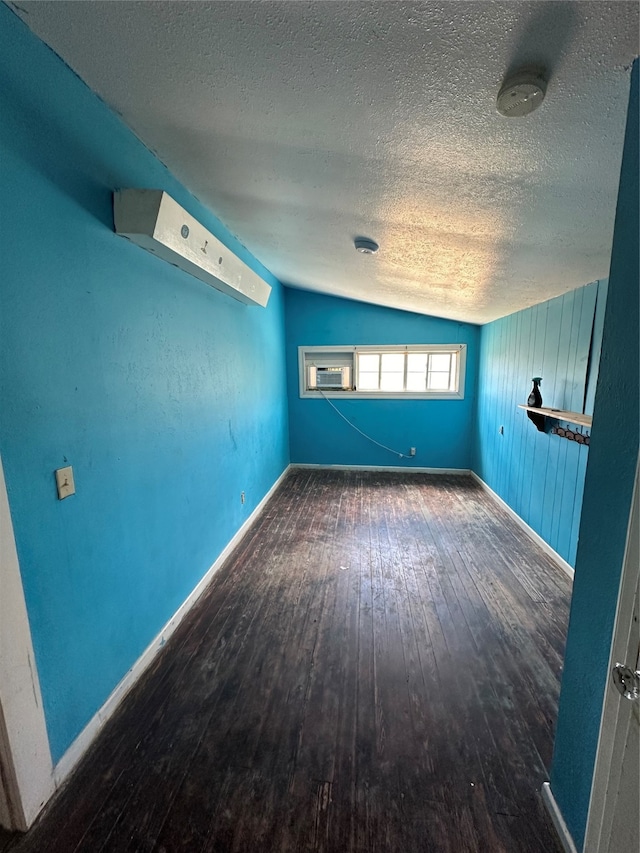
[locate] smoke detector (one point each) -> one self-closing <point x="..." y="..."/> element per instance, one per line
<point x="521" y="93"/>
<point x="365" y="246"/>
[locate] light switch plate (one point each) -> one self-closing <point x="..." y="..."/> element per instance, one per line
<point x="64" y="482"/>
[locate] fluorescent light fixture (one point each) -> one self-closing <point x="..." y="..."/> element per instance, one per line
<point x="157" y="223"/>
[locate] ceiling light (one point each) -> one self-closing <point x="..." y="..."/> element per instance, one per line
<point x="521" y="93"/>
<point x="365" y="246"/>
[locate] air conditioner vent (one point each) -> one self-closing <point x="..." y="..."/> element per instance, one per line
<point x="330" y="377"/>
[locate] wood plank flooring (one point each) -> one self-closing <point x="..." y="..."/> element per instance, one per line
<point x="376" y="668"/>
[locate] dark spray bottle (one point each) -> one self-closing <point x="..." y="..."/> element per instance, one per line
<point x="535" y="399"/>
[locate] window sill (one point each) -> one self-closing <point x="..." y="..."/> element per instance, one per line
<point x="382" y="395"/>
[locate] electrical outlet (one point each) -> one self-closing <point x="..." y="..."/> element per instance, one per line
<point x="412" y="451"/>
<point x="241" y="497"/>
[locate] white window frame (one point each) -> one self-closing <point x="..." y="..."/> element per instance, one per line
<point x="348" y="356"/>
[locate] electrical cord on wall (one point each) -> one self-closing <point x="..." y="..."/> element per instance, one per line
<point x="363" y="434"/>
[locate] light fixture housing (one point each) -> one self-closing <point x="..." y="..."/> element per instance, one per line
<point x="365" y="246"/>
<point x="157" y="223"/>
<point x="521" y="93"/>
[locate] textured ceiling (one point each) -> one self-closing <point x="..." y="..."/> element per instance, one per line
<point x="303" y="125"/>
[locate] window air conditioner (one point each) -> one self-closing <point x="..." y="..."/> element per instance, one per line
<point x="329" y="377"/>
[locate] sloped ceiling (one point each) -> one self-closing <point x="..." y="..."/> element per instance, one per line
<point x="305" y="124"/>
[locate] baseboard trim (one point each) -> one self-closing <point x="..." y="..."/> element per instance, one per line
<point x="562" y="563"/>
<point x="69" y="761"/>
<point x="558" y="821"/>
<point x="404" y="469"/>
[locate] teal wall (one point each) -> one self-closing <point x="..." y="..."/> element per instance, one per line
<point x="440" y="430"/>
<point x="163" y="394"/>
<point x="540" y="476"/>
<point x="607" y="502"/>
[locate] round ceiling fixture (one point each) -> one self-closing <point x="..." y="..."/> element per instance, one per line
<point x="365" y="246"/>
<point x="521" y="93"/>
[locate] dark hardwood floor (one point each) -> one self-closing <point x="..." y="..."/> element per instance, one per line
<point x="376" y="668"/>
<point x="7" y="839"/>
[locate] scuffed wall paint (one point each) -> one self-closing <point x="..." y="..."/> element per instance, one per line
<point x="166" y="397"/>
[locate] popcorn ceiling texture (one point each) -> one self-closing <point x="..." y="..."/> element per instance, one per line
<point x="303" y="125"/>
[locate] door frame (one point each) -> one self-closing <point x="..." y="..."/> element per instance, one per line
<point x="26" y="769"/>
<point x="610" y="743"/>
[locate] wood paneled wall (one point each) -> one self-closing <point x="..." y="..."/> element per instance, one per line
<point x="540" y="476"/>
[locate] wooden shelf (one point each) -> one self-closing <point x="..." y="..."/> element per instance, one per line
<point x="561" y="415"/>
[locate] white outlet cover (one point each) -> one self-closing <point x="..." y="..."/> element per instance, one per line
<point x="64" y="482"/>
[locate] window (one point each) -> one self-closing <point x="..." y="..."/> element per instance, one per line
<point x="421" y="371"/>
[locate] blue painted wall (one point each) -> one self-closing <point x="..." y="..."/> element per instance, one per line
<point x="163" y="394"/>
<point x="441" y="430"/>
<point x="540" y="476"/>
<point x="607" y="503"/>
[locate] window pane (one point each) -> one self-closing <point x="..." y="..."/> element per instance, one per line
<point x="392" y="373"/>
<point x="453" y="378"/>
<point x="417" y="381"/>
<point x="417" y="371"/>
<point x="401" y="371"/>
<point x="438" y="381"/>
<point x="368" y="362"/>
<point x="367" y="381"/>
<point x="417" y="362"/>
<point x="442" y="371"/>
<point x="440" y="362"/>
<point x="391" y="382"/>
<point x="368" y="372"/>
<point x="393" y="362"/>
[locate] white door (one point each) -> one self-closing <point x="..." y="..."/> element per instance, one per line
<point x="6" y="819"/>
<point x="9" y="818"/>
<point x="26" y="773"/>
<point x="613" y="825"/>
